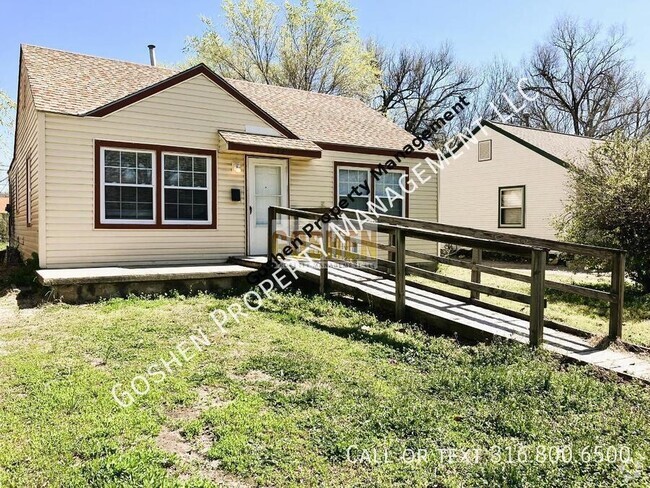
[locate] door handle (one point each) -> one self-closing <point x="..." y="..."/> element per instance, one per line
<point x="250" y="209"/>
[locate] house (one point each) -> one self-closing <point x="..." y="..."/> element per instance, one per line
<point x="118" y="163"/>
<point x="510" y="179"/>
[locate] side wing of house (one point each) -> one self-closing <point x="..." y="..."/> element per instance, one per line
<point x="501" y="185"/>
<point x="24" y="172"/>
<point x="181" y="120"/>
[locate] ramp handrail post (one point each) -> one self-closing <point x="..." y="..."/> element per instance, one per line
<point x="477" y="258"/>
<point x="324" y="266"/>
<point x="271" y="233"/>
<point x="618" y="292"/>
<point x="400" y="274"/>
<point x="538" y="272"/>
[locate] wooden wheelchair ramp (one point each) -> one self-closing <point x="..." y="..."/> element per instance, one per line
<point x="377" y="271"/>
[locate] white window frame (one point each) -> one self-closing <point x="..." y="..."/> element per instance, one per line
<point x="521" y="225"/>
<point x="338" y="180"/>
<point x="103" y="184"/>
<point x="372" y="182"/>
<point x="403" y="174"/>
<point x="208" y="188"/>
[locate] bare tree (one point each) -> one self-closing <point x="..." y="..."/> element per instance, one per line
<point x="416" y="85"/>
<point x="585" y="82"/>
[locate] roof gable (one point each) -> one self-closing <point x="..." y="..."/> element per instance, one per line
<point x="562" y="149"/>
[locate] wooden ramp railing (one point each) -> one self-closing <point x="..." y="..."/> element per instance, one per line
<point x="340" y="244"/>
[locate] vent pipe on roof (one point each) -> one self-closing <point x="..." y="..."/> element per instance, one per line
<point x="152" y="54"/>
<point x="526" y="117"/>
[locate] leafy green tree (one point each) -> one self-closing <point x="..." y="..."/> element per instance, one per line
<point x="309" y="45"/>
<point x="609" y="202"/>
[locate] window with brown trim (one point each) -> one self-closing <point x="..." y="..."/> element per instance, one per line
<point x="150" y="186"/>
<point x="387" y="192"/>
<point x="127" y="193"/>
<point x="186" y="188"/>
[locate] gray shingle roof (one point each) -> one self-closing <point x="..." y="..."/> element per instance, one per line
<point x="75" y="84"/>
<point x="268" y="141"/>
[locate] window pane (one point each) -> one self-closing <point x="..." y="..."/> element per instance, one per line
<point x="113" y="210"/>
<point x="145" y="211"/>
<point x="395" y="209"/>
<point x="171" y="178"/>
<point x="512" y="197"/>
<point x="200" y="165"/>
<point x="349" y="178"/>
<point x="511" y="216"/>
<point x="112" y="193"/>
<point x="200" y="180"/>
<point x="128" y="159"/>
<point x="185" y="163"/>
<point x="184" y="196"/>
<point x="129" y="194"/>
<point x="144" y="160"/>
<point x="171" y="162"/>
<point x="200" y="197"/>
<point x="128" y="176"/>
<point x="185" y="212"/>
<point x="390" y="180"/>
<point x="171" y="211"/>
<point x="200" y="212"/>
<point x="112" y="175"/>
<point x="129" y="211"/>
<point x="359" y="203"/>
<point x="171" y="196"/>
<point x="145" y="195"/>
<point x="185" y="179"/>
<point x="112" y="158"/>
<point x="144" y="177"/>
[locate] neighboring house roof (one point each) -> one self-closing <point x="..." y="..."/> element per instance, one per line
<point x="244" y="141"/>
<point x="79" y="84"/>
<point x="559" y="148"/>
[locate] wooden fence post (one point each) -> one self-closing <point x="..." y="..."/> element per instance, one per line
<point x="538" y="272"/>
<point x="324" y="266"/>
<point x="400" y="274"/>
<point x="477" y="258"/>
<point x="270" y="246"/>
<point x="618" y="291"/>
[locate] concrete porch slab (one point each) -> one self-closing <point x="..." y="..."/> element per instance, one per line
<point x="82" y="285"/>
<point x="81" y="276"/>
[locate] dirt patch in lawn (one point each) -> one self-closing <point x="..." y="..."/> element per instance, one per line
<point x="192" y="455"/>
<point x="208" y="397"/>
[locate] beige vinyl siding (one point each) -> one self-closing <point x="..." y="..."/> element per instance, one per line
<point x="312" y="185"/>
<point x="186" y="115"/>
<point x="26" y="142"/>
<point x="469" y="189"/>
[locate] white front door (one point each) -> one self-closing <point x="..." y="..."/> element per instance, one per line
<point x="267" y="181"/>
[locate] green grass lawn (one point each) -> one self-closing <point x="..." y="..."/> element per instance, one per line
<point x="583" y="313"/>
<point x="282" y="397"/>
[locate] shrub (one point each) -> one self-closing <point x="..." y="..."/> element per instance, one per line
<point x="609" y="203"/>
